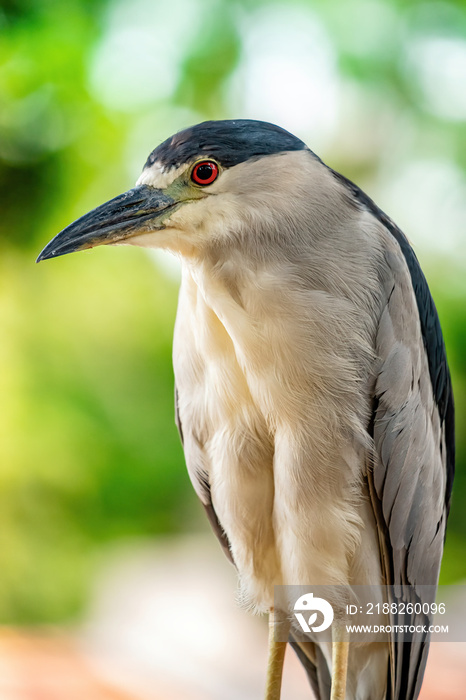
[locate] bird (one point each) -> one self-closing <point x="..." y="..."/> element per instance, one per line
<point x="312" y="390"/>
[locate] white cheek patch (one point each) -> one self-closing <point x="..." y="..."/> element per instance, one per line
<point x="159" y="176"/>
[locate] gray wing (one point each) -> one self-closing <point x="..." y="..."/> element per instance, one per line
<point x="200" y="482"/>
<point x="413" y="431"/>
<point x="412" y="425"/>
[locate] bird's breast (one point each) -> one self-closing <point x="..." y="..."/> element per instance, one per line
<point x="270" y="391"/>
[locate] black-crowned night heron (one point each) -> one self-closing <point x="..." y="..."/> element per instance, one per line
<point x="313" y="394"/>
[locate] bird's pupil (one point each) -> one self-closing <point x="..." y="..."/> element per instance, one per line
<point x="204" y="172"/>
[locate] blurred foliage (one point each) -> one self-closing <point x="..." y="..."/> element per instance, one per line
<point x="88" y="448"/>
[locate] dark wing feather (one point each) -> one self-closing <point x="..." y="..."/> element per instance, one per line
<point x="316" y="670"/>
<point x="199" y="480"/>
<point x="413" y="430"/>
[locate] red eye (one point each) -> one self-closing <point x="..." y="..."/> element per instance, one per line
<point x="205" y="173"/>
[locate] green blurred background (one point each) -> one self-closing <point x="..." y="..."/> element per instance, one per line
<point x="88" y="449"/>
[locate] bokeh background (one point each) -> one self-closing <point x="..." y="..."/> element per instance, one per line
<point x="91" y="470"/>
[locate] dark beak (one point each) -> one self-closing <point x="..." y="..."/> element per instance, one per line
<point x="137" y="211"/>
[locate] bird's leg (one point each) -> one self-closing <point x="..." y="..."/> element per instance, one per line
<point x="340" y="648"/>
<point x="278" y="629"/>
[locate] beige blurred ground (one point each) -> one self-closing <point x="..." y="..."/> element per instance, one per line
<point x="47" y="666"/>
<point x="163" y="624"/>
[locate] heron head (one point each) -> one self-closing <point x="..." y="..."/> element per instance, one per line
<point x="198" y="188"/>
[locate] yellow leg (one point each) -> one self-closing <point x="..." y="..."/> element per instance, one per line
<point x="278" y="628"/>
<point x="340" y="650"/>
